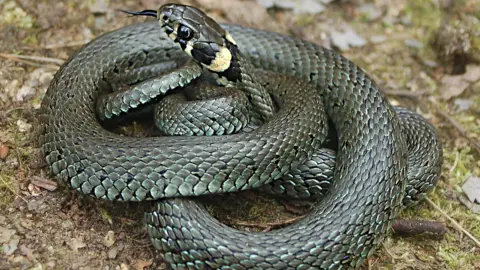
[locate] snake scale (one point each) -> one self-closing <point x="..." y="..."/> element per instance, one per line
<point x="385" y="155"/>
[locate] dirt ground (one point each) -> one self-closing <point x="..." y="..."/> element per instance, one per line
<point x="424" y="54"/>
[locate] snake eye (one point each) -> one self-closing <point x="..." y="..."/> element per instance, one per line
<point x="184" y="32"/>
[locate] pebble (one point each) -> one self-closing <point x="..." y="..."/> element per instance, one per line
<point x="23" y="126"/>
<point x="109" y="239"/>
<point x="463" y="104"/>
<point x="51" y="264"/>
<point x="413" y="43"/>
<point x="26" y="223"/>
<point x="112" y="253"/>
<point x="378" y="38"/>
<point x="369" y="10"/>
<point x="3" y="151"/>
<point x="345" y="40"/>
<point x="67" y="224"/>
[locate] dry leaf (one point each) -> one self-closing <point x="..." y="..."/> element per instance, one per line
<point x="474" y="207"/>
<point x="453" y="86"/>
<point x="38" y="79"/>
<point x="6" y="234"/>
<point x="9" y="241"/>
<point x="75" y="244"/>
<point x="140" y="265"/>
<point x="27" y="252"/>
<point x="471" y="187"/>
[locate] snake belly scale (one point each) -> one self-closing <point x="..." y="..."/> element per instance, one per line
<point x="384" y="155"/>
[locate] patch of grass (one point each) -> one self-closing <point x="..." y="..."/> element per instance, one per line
<point x="425" y="14"/>
<point x="13" y="14"/>
<point x="7" y="190"/>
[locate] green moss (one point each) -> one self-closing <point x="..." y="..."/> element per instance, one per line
<point x="463" y="160"/>
<point x="424" y="14"/>
<point x="30" y="40"/>
<point x="13" y="14"/>
<point x="306" y="20"/>
<point x="7" y="190"/>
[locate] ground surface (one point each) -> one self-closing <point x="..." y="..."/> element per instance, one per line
<point x="44" y="225"/>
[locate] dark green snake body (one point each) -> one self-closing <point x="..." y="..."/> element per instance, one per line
<point x="369" y="176"/>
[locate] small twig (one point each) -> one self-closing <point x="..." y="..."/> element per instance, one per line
<point x="458" y="226"/>
<point x="269" y="224"/>
<point x="32" y="58"/>
<point x="24" y="61"/>
<point x="10" y="110"/>
<point x="404" y="93"/>
<point x="408" y="227"/>
<point x="457" y="126"/>
<point x="455" y="163"/>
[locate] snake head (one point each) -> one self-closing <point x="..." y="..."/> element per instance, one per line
<point x="200" y="37"/>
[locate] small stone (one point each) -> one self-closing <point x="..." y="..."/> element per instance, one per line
<point x="50" y="250"/>
<point x="23" y="126"/>
<point x="67" y="224"/>
<point x="3" y="151"/>
<point x="27" y="252"/>
<point x="463" y="104"/>
<point x="99" y="6"/>
<point x="19" y="260"/>
<point x="38" y="266"/>
<point x="50" y="264"/>
<point x="369" y="11"/>
<point x="413" y="43"/>
<point x="378" y="38"/>
<point x="109" y="239"/>
<point x="471" y="187"/>
<point x="346" y="39"/>
<point x="141" y="265"/>
<point x="75" y="244"/>
<point x="26" y="223"/>
<point x="430" y="63"/>
<point x="10" y="247"/>
<point x="6" y="234"/>
<point x="298" y="7"/>
<point x="112" y="253"/>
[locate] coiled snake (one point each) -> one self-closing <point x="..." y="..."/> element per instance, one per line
<point x="285" y="83"/>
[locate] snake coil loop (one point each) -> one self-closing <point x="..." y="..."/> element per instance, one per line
<point x="369" y="174"/>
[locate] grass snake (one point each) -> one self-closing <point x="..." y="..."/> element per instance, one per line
<point x="385" y="155"/>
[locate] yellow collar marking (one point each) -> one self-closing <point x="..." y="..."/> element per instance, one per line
<point x="222" y="60"/>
